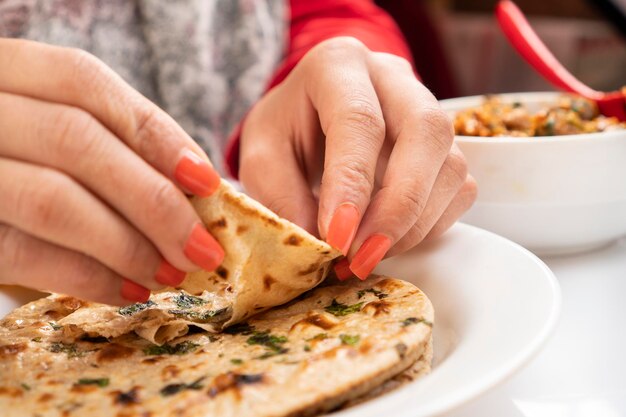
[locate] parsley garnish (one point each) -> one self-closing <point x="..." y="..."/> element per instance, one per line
<point x="36" y="339"/>
<point x="183" y="300"/>
<point x="376" y="292"/>
<point x="236" y="361"/>
<point x="414" y="320"/>
<point x="25" y="386"/>
<point x="198" y="316"/>
<point x="135" y="308"/>
<point x="70" y="349"/>
<point x="176" y="388"/>
<point x="307" y="348"/>
<point x="101" y="382"/>
<point x="320" y="336"/>
<point x="339" y="309"/>
<point x="240" y="328"/>
<point x="351" y="340"/>
<point x="266" y="339"/>
<point x="179" y="349"/>
<point x="273" y="344"/>
<point x="55" y="326"/>
<point x="271" y="353"/>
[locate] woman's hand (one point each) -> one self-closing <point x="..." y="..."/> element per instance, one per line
<point x="353" y="146"/>
<point x="90" y="171"/>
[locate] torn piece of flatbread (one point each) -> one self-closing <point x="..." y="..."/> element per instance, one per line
<point x="333" y="344"/>
<point x="268" y="262"/>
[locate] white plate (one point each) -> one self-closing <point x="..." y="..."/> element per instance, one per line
<point x="495" y="305"/>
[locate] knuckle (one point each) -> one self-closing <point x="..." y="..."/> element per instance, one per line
<point x="43" y="209"/>
<point x="137" y="259"/>
<point x="365" y="118"/>
<point x="13" y="251"/>
<point x="163" y="202"/>
<point x="73" y="132"/>
<point x="338" y="47"/>
<point x="457" y="166"/>
<point x="146" y="119"/>
<point x="87" y="71"/>
<point x="393" y="62"/>
<point x="410" y="202"/>
<point x="438" y="126"/>
<point x="353" y="176"/>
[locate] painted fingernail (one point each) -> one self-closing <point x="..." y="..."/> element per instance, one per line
<point x="342" y="269"/>
<point x="168" y="275"/>
<point x="342" y="227"/>
<point x="203" y="250"/>
<point x="196" y="175"/>
<point x="371" y="252"/>
<point x="134" y="292"/>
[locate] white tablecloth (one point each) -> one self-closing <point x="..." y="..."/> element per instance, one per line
<point x="581" y="372"/>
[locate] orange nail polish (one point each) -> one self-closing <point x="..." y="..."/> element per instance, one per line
<point x="168" y="275"/>
<point x="203" y="250"/>
<point x="196" y="175"/>
<point x="342" y="269"/>
<point x="371" y="252"/>
<point x="342" y="227"/>
<point x="134" y="292"/>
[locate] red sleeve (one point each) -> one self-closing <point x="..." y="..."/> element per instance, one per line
<point x="313" y="21"/>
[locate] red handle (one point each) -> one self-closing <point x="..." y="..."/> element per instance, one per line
<point x="534" y="51"/>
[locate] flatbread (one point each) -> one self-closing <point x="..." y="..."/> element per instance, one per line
<point x="268" y="262"/>
<point x="331" y="345"/>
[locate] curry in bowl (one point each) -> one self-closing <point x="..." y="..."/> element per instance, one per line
<point x="569" y="115"/>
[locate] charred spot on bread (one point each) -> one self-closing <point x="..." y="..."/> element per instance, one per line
<point x="293" y="240"/>
<point x="232" y="380"/>
<point x="268" y="280"/>
<point x="112" y="352"/>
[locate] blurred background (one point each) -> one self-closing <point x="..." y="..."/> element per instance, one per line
<point x="459" y="49"/>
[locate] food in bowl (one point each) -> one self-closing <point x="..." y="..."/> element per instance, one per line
<point x="569" y="115"/>
<point x="552" y="194"/>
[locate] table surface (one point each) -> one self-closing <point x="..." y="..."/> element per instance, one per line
<point x="582" y="369"/>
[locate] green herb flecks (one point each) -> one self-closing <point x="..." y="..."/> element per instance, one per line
<point x="184" y="301"/>
<point x="236" y="361"/>
<point x="272" y="353"/>
<point x="36" y="339"/>
<point x="339" y="309"/>
<point x="101" y="382"/>
<point x="172" y="389"/>
<point x="374" y="291"/>
<point x="240" y="328"/>
<point x="307" y="348"/>
<point x="135" y="308"/>
<point x="414" y="320"/>
<point x="320" y="336"/>
<point x="207" y="316"/>
<point x="348" y="339"/>
<point x="70" y="349"/>
<point x="55" y="326"/>
<point x="26" y="387"/>
<point x="166" y="349"/>
<point x="273" y="344"/>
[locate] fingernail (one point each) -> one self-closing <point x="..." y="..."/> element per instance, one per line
<point x="371" y="252"/>
<point x="168" y="275"/>
<point x="342" y="269"/>
<point x="203" y="250"/>
<point x="342" y="227"/>
<point x="196" y="175"/>
<point x="134" y="292"/>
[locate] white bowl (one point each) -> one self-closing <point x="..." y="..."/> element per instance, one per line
<point x="554" y="194"/>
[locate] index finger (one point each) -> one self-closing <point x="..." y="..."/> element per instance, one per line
<point x="76" y="78"/>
